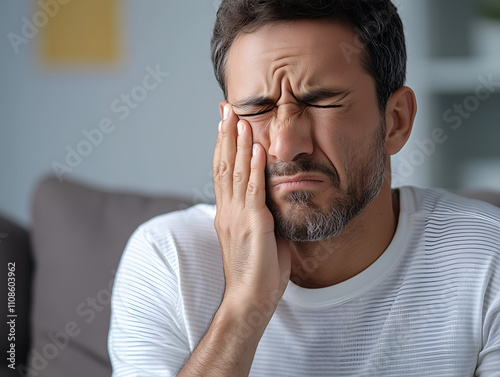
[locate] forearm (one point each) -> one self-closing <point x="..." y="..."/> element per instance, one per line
<point x="229" y="345"/>
<point x="255" y="271"/>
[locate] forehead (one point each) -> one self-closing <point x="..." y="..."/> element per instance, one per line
<point x="305" y="53"/>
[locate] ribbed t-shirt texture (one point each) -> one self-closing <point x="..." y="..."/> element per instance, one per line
<point x="428" y="306"/>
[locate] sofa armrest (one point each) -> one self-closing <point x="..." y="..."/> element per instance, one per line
<point x="79" y="233"/>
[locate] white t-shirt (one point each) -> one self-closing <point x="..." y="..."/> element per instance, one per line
<point x="428" y="306"/>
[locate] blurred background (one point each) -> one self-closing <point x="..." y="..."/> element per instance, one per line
<point x="120" y="94"/>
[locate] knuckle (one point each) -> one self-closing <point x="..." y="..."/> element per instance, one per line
<point x="252" y="188"/>
<point x="219" y="223"/>
<point x="223" y="169"/>
<point x="215" y="171"/>
<point x="237" y="176"/>
<point x="222" y="227"/>
<point x="222" y="134"/>
<point x="242" y="147"/>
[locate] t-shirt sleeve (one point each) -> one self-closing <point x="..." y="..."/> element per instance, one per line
<point x="489" y="357"/>
<point x="147" y="335"/>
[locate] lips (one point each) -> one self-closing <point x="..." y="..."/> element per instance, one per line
<point x="298" y="180"/>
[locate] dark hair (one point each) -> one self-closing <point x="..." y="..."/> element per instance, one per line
<point x="376" y="23"/>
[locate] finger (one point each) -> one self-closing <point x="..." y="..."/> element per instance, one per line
<point x="215" y="167"/>
<point x="241" y="173"/>
<point x="256" y="188"/>
<point x="228" y="153"/>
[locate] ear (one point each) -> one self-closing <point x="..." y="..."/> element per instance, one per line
<point x="400" y="114"/>
<point x="221" y="108"/>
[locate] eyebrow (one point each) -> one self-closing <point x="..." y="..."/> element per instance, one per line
<point x="310" y="97"/>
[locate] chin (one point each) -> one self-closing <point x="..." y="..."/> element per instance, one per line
<point x="302" y="216"/>
<point x="296" y="205"/>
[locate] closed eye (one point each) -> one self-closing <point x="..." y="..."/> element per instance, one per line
<point x="314" y="98"/>
<point x="255" y="114"/>
<point x="305" y="104"/>
<point x="323" y="106"/>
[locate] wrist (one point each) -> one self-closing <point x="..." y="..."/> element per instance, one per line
<point x="250" y="315"/>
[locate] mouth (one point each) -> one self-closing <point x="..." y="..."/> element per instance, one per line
<point x="298" y="182"/>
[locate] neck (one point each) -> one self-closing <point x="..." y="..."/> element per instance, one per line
<point x="362" y="242"/>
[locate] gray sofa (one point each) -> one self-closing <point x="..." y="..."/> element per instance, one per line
<point x="64" y="270"/>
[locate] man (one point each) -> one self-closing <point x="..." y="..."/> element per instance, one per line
<point x="316" y="267"/>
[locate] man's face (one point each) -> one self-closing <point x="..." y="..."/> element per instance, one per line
<point x="314" y="108"/>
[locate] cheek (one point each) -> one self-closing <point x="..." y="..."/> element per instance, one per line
<point x="343" y="139"/>
<point x="260" y="130"/>
<point x="332" y="132"/>
<point x="346" y="129"/>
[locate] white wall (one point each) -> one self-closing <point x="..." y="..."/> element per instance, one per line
<point x="404" y="170"/>
<point x="164" y="146"/>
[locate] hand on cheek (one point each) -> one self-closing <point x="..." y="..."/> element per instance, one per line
<point x="244" y="225"/>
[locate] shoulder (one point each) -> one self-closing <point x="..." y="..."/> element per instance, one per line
<point x="196" y="220"/>
<point x="175" y="237"/>
<point x="456" y="226"/>
<point x="439" y="203"/>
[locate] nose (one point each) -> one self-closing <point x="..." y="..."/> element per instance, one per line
<point x="290" y="136"/>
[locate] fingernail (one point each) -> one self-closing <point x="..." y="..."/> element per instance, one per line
<point x="220" y="125"/>
<point x="254" y="150"/>
<point x="240" y="128"/>
<point x="226" y="111"/>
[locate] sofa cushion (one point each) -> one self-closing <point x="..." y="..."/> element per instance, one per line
<point x="78" y="236"/>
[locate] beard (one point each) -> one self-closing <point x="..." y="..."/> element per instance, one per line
<point x="306" y="221"/>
